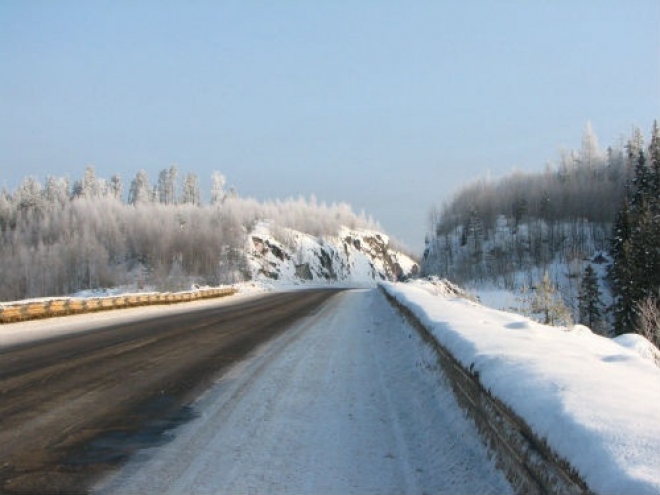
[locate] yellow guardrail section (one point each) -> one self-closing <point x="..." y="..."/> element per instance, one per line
<point x="19" y="311"/>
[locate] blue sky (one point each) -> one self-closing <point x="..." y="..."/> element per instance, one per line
<point x="390" y="106"/>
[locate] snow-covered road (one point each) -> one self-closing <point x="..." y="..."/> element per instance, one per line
<point x="347" y="401"/>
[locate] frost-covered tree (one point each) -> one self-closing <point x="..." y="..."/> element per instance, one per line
<point x="89" y="186"/>
<point x="56" y="192"/>
<point x="54" y="243"/>
<point x="190" y="192"/>
<point x="548" y="303"/>
<point x="590" y="154"/>
<point x="28" y="198"/>
<point x="116" y="186"/>
<point x="7" y="212"/>
<point x="140" y="191"/>
<point x="166" y="187"/>
<point x="648" y="318"/>
<point x="218" y="182"/>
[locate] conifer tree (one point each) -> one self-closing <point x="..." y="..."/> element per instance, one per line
<point x="620" y="275"/>
<point x="654" y="155"/>
<point x="635" y="270"/>
<point x="590" y="303"/>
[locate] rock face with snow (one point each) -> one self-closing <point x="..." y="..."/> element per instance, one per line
<point x="352" y="256"/>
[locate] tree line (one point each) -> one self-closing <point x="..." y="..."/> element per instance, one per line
<point x="635" y="270"/>
<point x="593" y="207"/>
<point x="61" y="236"/>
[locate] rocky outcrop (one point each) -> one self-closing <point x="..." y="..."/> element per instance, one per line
<point x="350" y="256"/>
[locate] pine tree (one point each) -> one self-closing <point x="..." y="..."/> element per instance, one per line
<point x="653" y="237"/>
<point x="654" y="155"/>
<point x="590" y="303"/>
<point x="620" y="270"/>
<point x="635" y="270"/>
<point x="642" y="187"/>
<point x="634" y="145"/>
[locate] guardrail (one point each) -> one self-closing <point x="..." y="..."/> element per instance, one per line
<point x="12" y="312"/>
<point x="527" y="461"/>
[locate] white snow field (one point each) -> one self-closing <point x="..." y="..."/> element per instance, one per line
<point x="596" y="401"/>
<point x="349" y="400"/>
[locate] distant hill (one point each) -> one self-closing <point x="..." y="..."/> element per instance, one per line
<point x="491" y="229"/>
<point x="511" y="232"/>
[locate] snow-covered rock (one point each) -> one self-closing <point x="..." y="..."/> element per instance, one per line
<point x="351" y="256"/>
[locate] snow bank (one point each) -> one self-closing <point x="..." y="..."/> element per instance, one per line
<point x="641" y="346"/>
<point x="594" y="401"/>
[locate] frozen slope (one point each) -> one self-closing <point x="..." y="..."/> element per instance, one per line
<point x="348" y="401"/>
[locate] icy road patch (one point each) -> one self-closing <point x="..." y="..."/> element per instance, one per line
<point x="347" y="401"/>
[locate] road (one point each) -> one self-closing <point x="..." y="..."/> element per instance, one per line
<point x="349" y="400"/>
<point x="76" y="406"/>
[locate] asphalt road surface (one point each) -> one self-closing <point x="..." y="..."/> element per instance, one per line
<point x="348" y="401"/>
<point x="74" y="407"/>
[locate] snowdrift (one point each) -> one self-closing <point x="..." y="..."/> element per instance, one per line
<point x="593" y="401"/>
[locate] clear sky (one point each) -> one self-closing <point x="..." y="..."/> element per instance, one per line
<point x="388" y="105"/>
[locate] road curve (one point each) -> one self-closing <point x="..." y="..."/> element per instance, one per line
<point x="76" y="406"/>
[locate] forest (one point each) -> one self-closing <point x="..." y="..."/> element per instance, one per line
<point x="586" y="228"/>
<point x="63" y="236"/>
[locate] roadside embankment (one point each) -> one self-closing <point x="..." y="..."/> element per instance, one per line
<point x="564" y="410"/>
<point x="527" y="462"/>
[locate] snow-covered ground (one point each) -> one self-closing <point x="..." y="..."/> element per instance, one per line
<point x="596" y="401"/>
<point x="348" y="401"/>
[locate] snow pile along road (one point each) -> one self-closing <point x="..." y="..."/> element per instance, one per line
<point x="595" y="402"/>
<point x="347" y="401"/>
